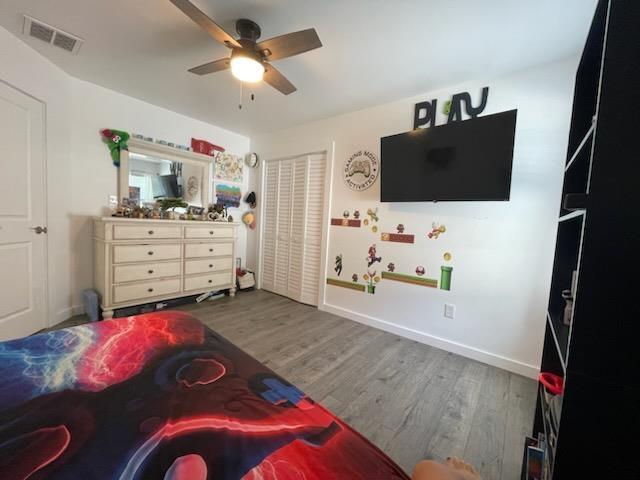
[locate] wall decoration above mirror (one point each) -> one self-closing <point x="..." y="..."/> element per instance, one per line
<point x="116" y="141"/>
<point x="228" y="167"/>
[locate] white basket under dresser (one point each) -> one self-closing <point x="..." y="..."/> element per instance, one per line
<point x="145" y="261"/>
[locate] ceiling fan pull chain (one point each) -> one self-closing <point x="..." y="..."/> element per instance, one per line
<point x="240" y="105"/>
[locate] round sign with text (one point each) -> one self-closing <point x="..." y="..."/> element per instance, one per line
<point x="361" y="170"/>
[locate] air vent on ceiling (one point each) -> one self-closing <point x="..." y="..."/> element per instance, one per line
<point x="53" y="36"/>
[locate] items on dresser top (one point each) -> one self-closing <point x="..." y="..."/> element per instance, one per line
<point x="142" y="261"/>
<point x="170" y="209"/>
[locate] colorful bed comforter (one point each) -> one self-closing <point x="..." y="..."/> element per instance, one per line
<point x="160" y="396"/>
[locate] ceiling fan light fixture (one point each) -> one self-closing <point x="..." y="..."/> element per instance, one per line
<point x="247" y="69"/>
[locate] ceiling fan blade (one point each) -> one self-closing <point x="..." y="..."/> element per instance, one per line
<point x="290" y="44"/>
<point x="211" y="67"/>
<point x="277" y="80"/>
<point x="211" y="27"/>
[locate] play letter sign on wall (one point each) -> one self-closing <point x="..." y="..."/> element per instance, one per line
<point x="425" y="112"/>
<point x="360" y="170"/>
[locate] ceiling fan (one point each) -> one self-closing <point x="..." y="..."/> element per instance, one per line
<point x="249" y="60"/>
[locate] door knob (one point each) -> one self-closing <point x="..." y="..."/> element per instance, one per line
<point x="39" y="229"/>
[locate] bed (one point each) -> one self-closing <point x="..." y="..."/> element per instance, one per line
<point x="161" y="396"/>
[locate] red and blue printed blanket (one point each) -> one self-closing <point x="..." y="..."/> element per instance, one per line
<point x="161" y="396"/>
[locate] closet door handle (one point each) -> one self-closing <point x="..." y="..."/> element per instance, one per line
<point x="210" y="232"/>
<point x="210" y="265"/>
<point x="150" y="272"/>
<point x="150" y="232"/>
<point x="210" y="281"/>
<point x="150" y="252"/>
<point x="211" y="249"/>
<point x="150" y="290"/>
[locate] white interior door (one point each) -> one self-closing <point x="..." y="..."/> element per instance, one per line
<point x="269" y="225"/>
<point x="22" y="186"/>
<point x="298" y="226"/>
<point x="283" y="225"/>
<point x="312" y="255"/>
<point x="292" y="226"/>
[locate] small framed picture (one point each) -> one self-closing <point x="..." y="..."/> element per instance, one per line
<point x="134" y="195"/>
<point x="535" y="462"/>
<point x="196" y="210"/>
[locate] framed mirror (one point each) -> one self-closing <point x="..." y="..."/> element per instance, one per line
<point x="150" y="172"/>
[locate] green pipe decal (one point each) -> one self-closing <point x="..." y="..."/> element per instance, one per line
<point x="445" y="278"/>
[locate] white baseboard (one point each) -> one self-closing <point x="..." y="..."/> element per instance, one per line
<point x="489" y="358"/>
<point x="66" y="313"/>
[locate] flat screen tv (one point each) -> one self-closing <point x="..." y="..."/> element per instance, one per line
<point x="463" y="160"/>
<point x="165" y="186"/>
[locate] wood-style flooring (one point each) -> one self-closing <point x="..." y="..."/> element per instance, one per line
<point x="411" y="400"/>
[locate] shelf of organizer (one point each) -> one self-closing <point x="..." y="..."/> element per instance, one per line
<point x="576" y="177"/>
<point x="548" y="428"/>
<point x="575" y="201"/>
<point x="572" y="215"/>
<point x="566" y="261"/>
<point x="560" y="335"/>
<point x="588" y="138"/>
<point x="552" y="359"/>
<point x="587" y="83"/>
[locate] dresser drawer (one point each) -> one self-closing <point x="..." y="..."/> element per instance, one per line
<point x="213" y="280"/>
<point x="207" y="265"/>
<point x="142" y="290"/>
<point x="211" y="231"/>
<point x="136" y="232"/>
<point x="195" y="250"/>
<point x="145" y="271"/>
<point x="145" y="253"/>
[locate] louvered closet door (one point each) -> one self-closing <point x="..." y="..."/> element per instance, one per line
<point x="297" y="245"/>
<point x="270" y="220"/>
<point x="313" y="229"/>
<point x="283" y="226"/>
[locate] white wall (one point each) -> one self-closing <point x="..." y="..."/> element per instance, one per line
<point x="26" y="70"/>
<point x="93" y="176"/>
<point x="502" y="251"/>
<point x="80" y="174"/>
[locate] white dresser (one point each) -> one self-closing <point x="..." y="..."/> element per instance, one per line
<point x="145" y="261"/>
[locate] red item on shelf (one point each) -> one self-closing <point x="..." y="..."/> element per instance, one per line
<point x="204" y="147"/>
<point x="552" y="382"/>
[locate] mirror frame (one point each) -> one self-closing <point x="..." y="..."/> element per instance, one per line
<point x="150" y="149"/>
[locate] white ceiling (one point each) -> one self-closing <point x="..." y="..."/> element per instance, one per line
<point x="375" y="51"/>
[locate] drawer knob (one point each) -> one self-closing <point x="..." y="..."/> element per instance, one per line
<point x="210" y="281"/>
<point x="150" y="252"/>
<point x="150" y="272"/>
<point x="210" y="265"/>
<point x="150" y="232"/>
<point x="210" y="232"/>
<point x="150" y="290"/>
<point x="211" y="249"/>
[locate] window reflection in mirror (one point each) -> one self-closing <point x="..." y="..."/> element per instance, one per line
<point x="153" y="178"/>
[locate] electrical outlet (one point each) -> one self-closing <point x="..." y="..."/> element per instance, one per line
<point x="113" y="202"/>
<point x="449" y="310"/>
